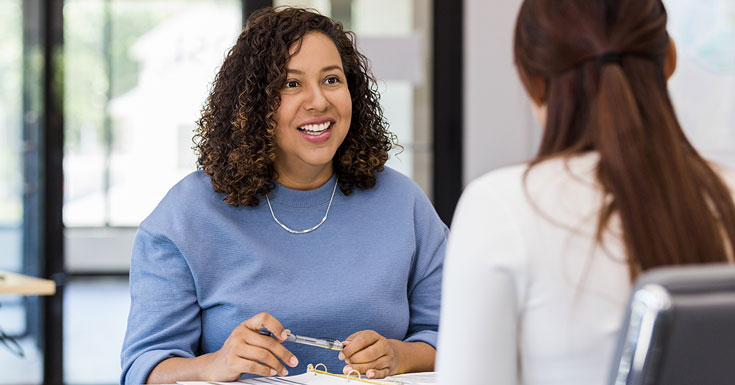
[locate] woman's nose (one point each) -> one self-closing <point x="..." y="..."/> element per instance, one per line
<point x="316" y="100"/>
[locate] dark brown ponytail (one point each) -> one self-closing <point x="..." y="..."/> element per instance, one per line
<point x="598" y="65"/>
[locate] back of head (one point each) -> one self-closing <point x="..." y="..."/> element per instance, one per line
<point x="600" y="67"/>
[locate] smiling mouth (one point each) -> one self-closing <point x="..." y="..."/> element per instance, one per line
<point x="315" y="129"/>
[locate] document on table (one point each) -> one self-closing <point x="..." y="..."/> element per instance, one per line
<point x="426" y="378"/>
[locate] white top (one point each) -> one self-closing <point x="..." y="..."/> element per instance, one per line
<point x="528" y="296"/>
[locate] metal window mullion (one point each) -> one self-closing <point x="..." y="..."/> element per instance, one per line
<point x="53" y="181"/>
<point x="447" y="105"/>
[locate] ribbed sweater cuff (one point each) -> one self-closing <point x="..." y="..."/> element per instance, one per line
<point x="141" y="368"/>
<point x="428" y="336"/>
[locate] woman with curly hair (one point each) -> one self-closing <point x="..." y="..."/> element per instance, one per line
<point x="292" y="222"/>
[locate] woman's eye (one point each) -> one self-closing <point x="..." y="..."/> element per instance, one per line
<point x="332" y="80"/>
<point x="292" y="84"/>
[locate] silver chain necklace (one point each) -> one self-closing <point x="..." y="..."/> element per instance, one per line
<point x="292" y="231"/>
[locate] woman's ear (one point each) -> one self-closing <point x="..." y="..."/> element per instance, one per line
<point x="670" y="60"/>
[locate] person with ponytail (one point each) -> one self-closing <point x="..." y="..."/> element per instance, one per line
<point x="542" y="256"/>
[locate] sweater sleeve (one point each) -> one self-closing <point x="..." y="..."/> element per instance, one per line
<point x="482" y="289"/>
<point x="424" y="292"/>
<point x="164" y="319"/>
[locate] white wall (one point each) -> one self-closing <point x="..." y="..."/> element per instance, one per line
<point x="498" y="126"/>
<point x="703" y="87"/>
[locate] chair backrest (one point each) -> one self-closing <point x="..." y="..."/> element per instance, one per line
<point x="679" y="328"/>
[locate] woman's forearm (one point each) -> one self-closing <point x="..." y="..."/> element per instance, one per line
<point x="414" y="356"/>
<point x="174" y="369"/>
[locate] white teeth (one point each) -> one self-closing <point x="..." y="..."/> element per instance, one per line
<point x="315" y="128"/>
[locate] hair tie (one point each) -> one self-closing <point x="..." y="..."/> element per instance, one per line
<point x="609" y="58"/>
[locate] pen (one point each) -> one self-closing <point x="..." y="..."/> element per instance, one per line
<point x="327" y="343"/>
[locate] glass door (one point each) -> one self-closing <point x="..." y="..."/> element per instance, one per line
<point x="21" y="363"/>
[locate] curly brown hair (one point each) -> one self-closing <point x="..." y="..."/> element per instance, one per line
<point x="235" y="136"/>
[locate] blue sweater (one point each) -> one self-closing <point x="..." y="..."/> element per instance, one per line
<point x="200" y="267"/>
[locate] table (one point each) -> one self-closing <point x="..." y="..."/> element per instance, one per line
<point x="12" y="283"/>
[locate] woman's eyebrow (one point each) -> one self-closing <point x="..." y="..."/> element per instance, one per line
<point x="325" y="69"/>
<point x="333" y="67"/>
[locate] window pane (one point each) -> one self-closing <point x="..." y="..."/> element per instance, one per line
<point x="143" y="69"/>
<point x="85" y="94"/>
<point x="703" y="86"/>
<point x="14" y="369"/>
<point x="11" y="129"/>
<point x="136" y="76"/>
<point x="95" y="316"/>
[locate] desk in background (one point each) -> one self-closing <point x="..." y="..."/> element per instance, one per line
<point x="11" y="283"/>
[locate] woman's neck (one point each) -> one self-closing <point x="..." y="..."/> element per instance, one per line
<point x="304" y="179"/>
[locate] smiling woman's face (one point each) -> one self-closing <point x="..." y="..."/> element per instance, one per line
<point x="315" y="112"/>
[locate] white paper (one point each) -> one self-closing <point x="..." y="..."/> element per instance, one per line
<point x="427" y="378"/>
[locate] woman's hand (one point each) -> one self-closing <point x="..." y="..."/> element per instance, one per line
<point x="244" y="351"/>
<point x="369" y="352"/>
<point x="248" y="351"/>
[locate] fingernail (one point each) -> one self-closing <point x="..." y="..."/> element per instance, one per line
<point x="293" y="361"/>
<point x="341" y="356"/>
<point x="273" y="372"/>
<point x="284" y="372"/>
<point x="370" y="373"/>
<point x="345" y="343"/>
<point x="284" y="334"/>
<point x="346" y="369"/>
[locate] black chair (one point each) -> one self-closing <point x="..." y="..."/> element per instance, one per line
<point x="679" y="328"/>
